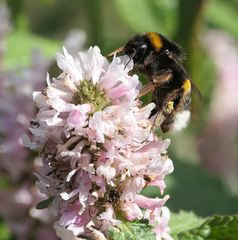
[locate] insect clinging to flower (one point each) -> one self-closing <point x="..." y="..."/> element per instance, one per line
<point x="161" y="60"/>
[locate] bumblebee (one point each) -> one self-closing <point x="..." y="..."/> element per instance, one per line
<point x="161" y="60"/>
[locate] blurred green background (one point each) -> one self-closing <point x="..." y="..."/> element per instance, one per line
<point x="205" y="155"/>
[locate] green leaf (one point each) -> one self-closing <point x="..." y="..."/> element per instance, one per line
<point x="132" y="231"/>
<point x="45" y="203"/>
<point x="143" y="15"/>
<point x="184" y="221"/>
<point x="20" y="45"/>
<point x="223" y="227"/>
<point x="214" y="228"/>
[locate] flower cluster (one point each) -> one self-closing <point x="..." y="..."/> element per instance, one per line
<point x="97" y="147"/>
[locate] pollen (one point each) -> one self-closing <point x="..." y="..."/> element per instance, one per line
<point x="155" y="40"/>
<point x="187" y="86"/>
<point x="87" y="92"/>
<point x="170" y="107"/>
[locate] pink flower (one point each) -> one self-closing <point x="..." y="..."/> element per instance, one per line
<point x="74" y="220"/>
<point x="131" y="210"/>
<point x="64" y="233"/>
<point x="150" y="203"/>
<point x="97" y="144"/>
<point x="77" y="118"/>
<point x="159" y="217"/>
<point x="109" y="218"/>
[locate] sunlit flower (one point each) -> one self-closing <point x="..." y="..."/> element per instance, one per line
<point x="97" y="147"/>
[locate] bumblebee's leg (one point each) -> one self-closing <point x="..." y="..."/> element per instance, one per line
<point x="149" y="87"/>
<point x="164" y="118"/>
<point x="158" y="120"/>
<point x="117" y="51"/>
<point x="167" y="124"/>
<point x="136" y="69"/>
<point x="163" y="77"/>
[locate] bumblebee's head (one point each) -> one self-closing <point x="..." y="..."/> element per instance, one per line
<point x="138" y="48"/>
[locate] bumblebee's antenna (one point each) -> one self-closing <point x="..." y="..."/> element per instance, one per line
<point x="118" y="50"/>
<point x="128" y="62"/>
<point x="131" y="57"/>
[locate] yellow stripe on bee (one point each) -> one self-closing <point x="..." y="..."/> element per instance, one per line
<point x="155" y="40"/>
<point x="187" y="86"/>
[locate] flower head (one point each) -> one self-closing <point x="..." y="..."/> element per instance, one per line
<point x="97" y="147"/>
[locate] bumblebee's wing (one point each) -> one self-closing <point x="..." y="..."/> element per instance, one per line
<point x="196" y="91"/>
<point x="162" y="77"/>
<point x="149" y="87"/>
<point x="179" y="65"/>
<point x="119" y="50"/>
